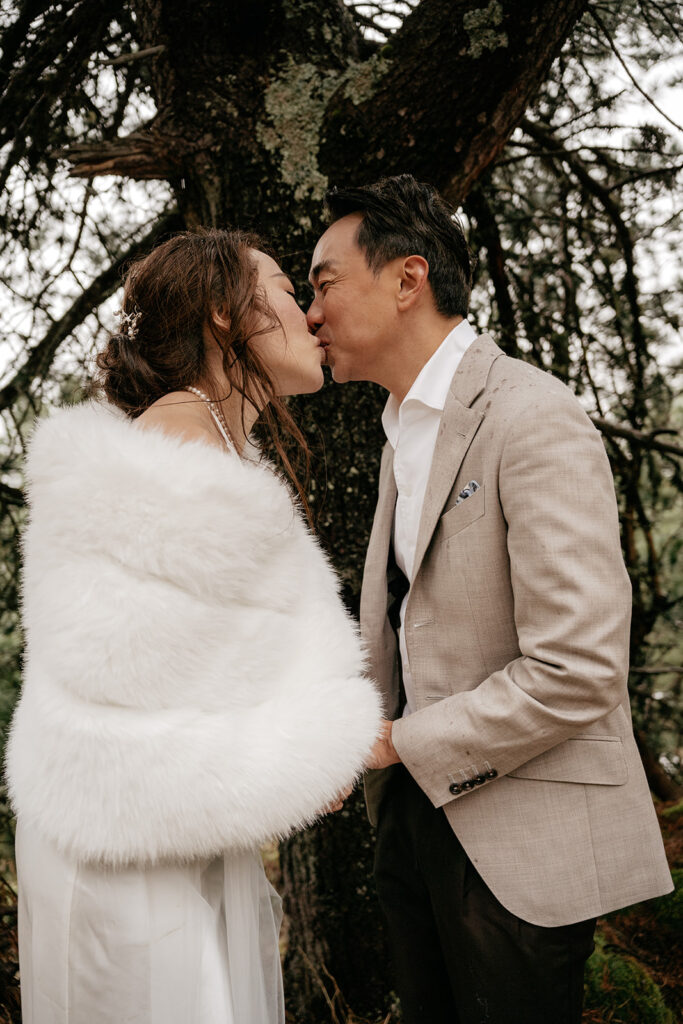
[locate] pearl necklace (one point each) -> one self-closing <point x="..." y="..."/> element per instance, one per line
<point x="217" y="413"/>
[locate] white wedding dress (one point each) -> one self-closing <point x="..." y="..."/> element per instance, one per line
<point x="171" y="944"/>
<point x="192" y="943"/>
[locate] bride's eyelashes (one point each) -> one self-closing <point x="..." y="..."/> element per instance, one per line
<point x="301" y="303"/>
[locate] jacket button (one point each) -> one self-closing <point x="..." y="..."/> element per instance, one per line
<point x="492" y="774"/>
<point x="468" y="784"/>
<point x="479" y="780"/>
<point x="454" y="788"/>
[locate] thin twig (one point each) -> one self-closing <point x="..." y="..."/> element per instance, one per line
<point x="657" y="670"/>
<point x="11" y="495"/>
<point x="640" y="437"/>
<point x="128" y="58"/>
<point x="621" y="60"/>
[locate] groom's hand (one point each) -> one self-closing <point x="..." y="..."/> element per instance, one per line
<point x="383" y="753"/>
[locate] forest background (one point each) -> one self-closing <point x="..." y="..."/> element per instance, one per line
<point x="554" y="128"/>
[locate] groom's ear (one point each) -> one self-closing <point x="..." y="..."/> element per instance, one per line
<point x="414" y="273"/>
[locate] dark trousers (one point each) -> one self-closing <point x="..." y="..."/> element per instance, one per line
<point x="461" y="957"/>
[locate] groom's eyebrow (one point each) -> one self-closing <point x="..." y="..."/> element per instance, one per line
<point x="318" y="269"/>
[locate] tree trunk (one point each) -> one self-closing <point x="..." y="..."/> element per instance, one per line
<point x="337" y="951"/>
<point x="661" y="784"/>
<point x="260" y="107"/>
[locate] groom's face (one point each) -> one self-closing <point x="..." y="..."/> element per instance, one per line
<point x="353" y="309"/>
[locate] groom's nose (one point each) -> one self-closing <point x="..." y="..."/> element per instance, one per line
<point x="314" y="316"/>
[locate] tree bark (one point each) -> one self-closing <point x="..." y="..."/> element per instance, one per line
<point x="489" y="236"/>
<point x="439" y="100"/>
<point x="661" y="784"/>
<point x="337" y="951"/>
<point x="448" y="90"/>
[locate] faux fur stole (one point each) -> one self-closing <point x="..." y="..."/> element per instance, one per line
<point x="193" y="683"/>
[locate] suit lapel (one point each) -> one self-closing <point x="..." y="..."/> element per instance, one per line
<point x="374" y="592"/>
<point x="459" y="424"/>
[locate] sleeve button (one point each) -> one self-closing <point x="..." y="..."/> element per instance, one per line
<point x="454" y="788"/>
<point x="479" y="780"/>
<point x="492" y="774"/>
<point x="468" y="784"/>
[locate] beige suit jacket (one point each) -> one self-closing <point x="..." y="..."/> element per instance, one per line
<point x="517" y="633"/>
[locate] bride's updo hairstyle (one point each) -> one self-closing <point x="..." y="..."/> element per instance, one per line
<point x="169" y="297"/>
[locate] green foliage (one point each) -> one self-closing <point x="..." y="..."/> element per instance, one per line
<point x="674" y="813"/>
<point x="668" y="910"/>
<point x="621" y="989"/>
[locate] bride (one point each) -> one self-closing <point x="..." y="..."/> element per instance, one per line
<point x="193" y="686"/>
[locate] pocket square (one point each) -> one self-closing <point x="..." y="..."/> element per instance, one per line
<point x="467" y="491"/>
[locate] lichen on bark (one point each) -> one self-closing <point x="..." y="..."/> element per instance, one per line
<point x="482" y="27"/>
<point x="295" y="103"/>
<point x="362" y="78"/>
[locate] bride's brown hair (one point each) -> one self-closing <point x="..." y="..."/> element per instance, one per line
<point x="169" y="297"/>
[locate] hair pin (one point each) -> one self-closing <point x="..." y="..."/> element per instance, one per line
<point x="128" y="322"/>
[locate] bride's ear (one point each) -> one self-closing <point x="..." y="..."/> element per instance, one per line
<point x="220" y="320"/>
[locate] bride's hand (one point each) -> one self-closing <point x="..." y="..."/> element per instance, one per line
<point x="383" y="752"/>
<point x="338" y="803"/>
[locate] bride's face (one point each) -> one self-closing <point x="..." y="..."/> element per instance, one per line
<point x="293" y="356"/>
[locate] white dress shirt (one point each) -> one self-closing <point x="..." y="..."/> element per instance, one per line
<point x="411" y="430"/>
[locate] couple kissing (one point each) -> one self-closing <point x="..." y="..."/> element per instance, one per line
<point x="178" y="709"/>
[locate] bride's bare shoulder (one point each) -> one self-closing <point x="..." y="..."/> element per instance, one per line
<point x="180" y="415"/>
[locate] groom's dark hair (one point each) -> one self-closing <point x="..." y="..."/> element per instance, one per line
<point x="405" y="217"/>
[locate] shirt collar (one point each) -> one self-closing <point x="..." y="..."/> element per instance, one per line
<point x="432" y="384"/>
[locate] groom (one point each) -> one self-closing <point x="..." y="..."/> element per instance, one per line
<point x="509" y="798"/>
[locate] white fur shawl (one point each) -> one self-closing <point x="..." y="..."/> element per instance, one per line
<point x="193" y="683"/>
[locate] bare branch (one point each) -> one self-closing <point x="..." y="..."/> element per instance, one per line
<point x="144" y="154"/>
<point x="608" y="38"/>
<point x="42" y="355"/>
<point x="128" y="58"/>
<point x="11" y="496"/>
<point x="639" y="437"/>
<point x="654" y="172"/>
<point x="51" y="65"/>
<point x="657" y="670"/>
<point x="544" y="135"/>
<point x="478" y="204"/>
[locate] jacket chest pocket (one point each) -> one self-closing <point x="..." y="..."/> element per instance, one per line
<point x="459" y="516"/>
